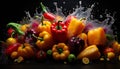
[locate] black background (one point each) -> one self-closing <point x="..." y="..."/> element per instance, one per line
<point x="14" y="10"/>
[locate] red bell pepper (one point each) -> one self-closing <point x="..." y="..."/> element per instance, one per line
<point x="46" y="14"/>
<point x="12" y="48"/>
<point x="59" y="31"/>
<point x="68" y="19"/>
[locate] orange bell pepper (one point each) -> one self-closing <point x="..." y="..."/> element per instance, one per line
<point x="75" y="27"/>
<point x="60" y="51"/>
<point x="97" y="36"/>
<point x="25" y="50"/>
<point x="44" y="41"/>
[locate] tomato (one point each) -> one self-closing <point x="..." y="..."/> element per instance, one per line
<point x="41" y="55"/>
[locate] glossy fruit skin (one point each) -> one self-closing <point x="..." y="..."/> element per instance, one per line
<point x="76" y="44"/>
<point x="59" y="31"/>
<point x="97" y="37"/>
<point x="44" y="26"/>
<point x="12" y="48"/>
<point x="68" y="19"/>
<point x="51" y="17"/>
<point x="11" y="41"/>
<point x="108" y="50"/>
<point x="75" y="27"/>
<point x="10" y="31"/>
<point x="71" y="58"/>
<point x="14" y="54"/>
<point x="44" y="41"/>
<point x="91" y="52"/>
<point x="41" y="55"/>
<point x="16" y="27"/>
<point x="25" y="50"/>
<point x="60" y="51"/>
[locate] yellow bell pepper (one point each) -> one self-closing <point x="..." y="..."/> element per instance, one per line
<point x="75" y="27"/>
<point x="44" y="41"/>
<point x="91" y="52"/>
<point x="24" y="27"/>
<point x="97" y="36"/>
<point x="44" y="26"/>
<point x="60" y="51"/>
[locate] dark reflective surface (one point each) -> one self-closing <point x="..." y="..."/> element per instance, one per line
<point x="64" y="66"/>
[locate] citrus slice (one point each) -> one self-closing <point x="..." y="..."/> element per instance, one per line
<point x="85" y="60"/>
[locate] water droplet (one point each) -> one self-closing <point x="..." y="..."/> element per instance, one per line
<point x="101" y="16"/>
<point x="64" y="2"/>
<point x="80" y="2"/>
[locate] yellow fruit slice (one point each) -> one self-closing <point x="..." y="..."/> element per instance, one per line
<point x="85" y="60"/>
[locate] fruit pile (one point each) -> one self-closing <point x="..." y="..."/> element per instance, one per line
<point x="67" y="39"/>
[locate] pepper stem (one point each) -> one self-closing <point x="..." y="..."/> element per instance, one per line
<point x="12" y="34"/>
<point x="34" y="36"/>
<point x="59" y="27"/>
<point x="43" y="7"/>
<point x="60" y="50"/>
<point x="23" y="46"/>
<point x="83" y="18"/>
<point x="39" y="38"/>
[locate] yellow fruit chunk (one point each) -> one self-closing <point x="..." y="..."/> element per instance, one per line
<point x="19" y="59"/>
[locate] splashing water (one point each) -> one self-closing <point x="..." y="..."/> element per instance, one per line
<point x="80" y="12"/>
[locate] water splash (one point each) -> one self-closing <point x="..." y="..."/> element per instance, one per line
<point x="80" y="12"/>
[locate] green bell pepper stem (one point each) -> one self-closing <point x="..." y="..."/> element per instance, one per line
<point x="16" y="27"/>
<point x="59" y="27"/>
